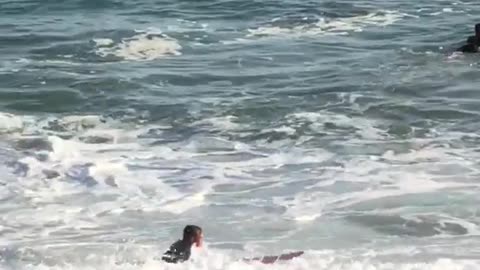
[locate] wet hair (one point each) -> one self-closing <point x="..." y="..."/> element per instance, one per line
<point x="477" y="29"/>
<point x="191" y="231"/>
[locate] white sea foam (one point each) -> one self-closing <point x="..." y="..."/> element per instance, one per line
<point x="141" y="258"/>
<point x="340" y="26"/>
<point x="103" y="41"/>
<point x="224" y="123"/>
<point x="10" y="123"/>
<point x="134" y="174"/>
<point x="181" y="205"/>
<point x="283" y="129"/>
<point x="374" y="179"/>
<point x="366" y="128"/>
<point x="104" y="160"/>
<point x="144" y="46"/>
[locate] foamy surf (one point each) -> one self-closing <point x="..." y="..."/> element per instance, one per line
<point x="68" y="154"/>
<point x="144" y="46"/>
<point x="121" y="174"/>
<point x="338" y="26"/>
<point x="10" y="123"/>
<point x="136" y="257"/>
<point x="364" y="156"/>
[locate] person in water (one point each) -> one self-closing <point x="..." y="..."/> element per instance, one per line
<point x="180" y="251"/>
<point x="473" y="42"/>
<point x="470" y="47"/>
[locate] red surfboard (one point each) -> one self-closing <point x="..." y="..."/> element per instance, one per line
<point x="276" y="258"/>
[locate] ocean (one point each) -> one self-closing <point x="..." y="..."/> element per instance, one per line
<point x="346" y="129"/>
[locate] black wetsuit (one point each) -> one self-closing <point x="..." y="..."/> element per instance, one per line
<point x="179" y="252"/>
<point x="468" y="48"/>
<point x="471" y="46"/>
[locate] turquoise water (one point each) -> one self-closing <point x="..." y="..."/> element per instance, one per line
<point x="347" y="129"/>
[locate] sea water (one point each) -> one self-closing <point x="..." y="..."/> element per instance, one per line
<point x="346" y="129"/>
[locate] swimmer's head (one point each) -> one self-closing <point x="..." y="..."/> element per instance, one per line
<point x="193" y="235"/>
<point x="477" y="30"/>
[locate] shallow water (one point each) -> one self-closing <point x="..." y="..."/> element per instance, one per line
<point x="347" y="129"/>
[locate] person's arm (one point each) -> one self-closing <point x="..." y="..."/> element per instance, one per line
<point x="169" y="257"/>
<point x="174" y="254"/>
